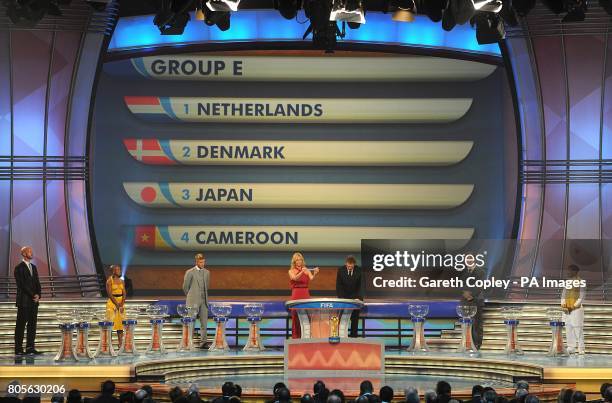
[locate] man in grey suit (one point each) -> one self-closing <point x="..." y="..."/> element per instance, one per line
<point x="195" y="286"/>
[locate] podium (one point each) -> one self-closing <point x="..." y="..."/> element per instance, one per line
<point x="325" y="349"/>
<point x="324" y="317"/>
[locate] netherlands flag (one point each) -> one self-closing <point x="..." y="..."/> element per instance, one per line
<point x="157" y="109"/>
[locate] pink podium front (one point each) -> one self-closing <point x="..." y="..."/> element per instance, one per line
<point x="325" y="349"/>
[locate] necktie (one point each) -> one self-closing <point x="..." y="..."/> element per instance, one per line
<point x="350" y="273"/>
<point x="29" y="267"/>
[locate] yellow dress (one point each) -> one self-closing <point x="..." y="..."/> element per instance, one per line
<point x="112" y="312"/>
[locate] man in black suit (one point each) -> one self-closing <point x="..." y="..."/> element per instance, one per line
<point x="28" y="295"/>
<point x="349" y="286"/>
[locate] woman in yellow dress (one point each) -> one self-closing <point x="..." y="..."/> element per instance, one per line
<point x="115" y="305"/>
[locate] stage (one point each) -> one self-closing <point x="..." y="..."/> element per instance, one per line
<point x="258" y="372"/>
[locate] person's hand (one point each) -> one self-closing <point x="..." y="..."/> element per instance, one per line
<point x="36" y="298"/>
<point x="121" y="309"/>
<point x="577" y="305"/>
<point x="315" y="270"/>
<point x="468" y="295"/>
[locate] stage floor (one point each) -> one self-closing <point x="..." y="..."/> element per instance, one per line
<point x="47" y="359"/>
<point x="258" y="372"/>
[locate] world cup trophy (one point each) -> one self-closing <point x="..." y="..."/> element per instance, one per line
<point x="334" y="329"/>
<point x="466" y="313"/>
<point x="220" y="312"/>
<point x="418" y="312"/>
<point x="67" y="352"/>
<point x="511" y="320"/>
<point x="254" y="312"/>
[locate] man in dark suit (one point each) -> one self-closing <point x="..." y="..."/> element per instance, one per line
<point x="349" y="286"/>
<point x="28" y="295"/>
<point x="475" y="296"/>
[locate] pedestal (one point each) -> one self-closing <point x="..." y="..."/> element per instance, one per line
<point x="186" y="343"/>
<point x="105" y="346"/>
<point x="66" y="351"/>
<point x="82" y="347"/>
<point x="557" y="348"/>
<point x="254" y="342"/>
<point x="156" y="346"/>
<point x="512" y="346"/>
<point x="128" y="346"/>
<point x="418" y="342"/>
<point x="220" y="342"/>
<point x="467" y="341"/>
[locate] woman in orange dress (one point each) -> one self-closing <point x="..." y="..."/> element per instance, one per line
<point x="115" y="305"/>
<point x="299" y="278"/>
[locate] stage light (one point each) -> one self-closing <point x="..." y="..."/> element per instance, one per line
<point x="576" y="10"/>
<point x="287" y="8"/>
<point x="448" y="19"/>
<point x="222" y="5"/>
<point x="219" y="18"/>
<point x="27" y="13"/>
<point x="464" y="10"/>
<point x="405" y="11"/>
<point x="347" y="10"/>
<point x="199" y="14"/>
<point x="172" y="17"/>
<point x="433" y="8"/>
<point x="489" y="28"/>
<point x="324" y="32"/>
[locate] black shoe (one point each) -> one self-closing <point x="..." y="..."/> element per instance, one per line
<point x="33" y="351"/>
<point x="19" y="352"/>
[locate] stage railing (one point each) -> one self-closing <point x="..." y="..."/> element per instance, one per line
<point x="57" y="286"/>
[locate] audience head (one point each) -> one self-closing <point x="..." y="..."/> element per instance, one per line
<point x="489" y="396"/>
<point x="284" y="396"/>
<point x="579" y="397"/>
<point x="108" y="388"/>
<point x="443" y="388"/>
<point x="607" y="395"/>
<point x="366" y="388"/>
<point x="521" y="394"/>
<point x="603" y="388"/>
<point x="318" y="387"/>
<point x="74" y="396"/>
<point x="175" y="393"/>
<point x="477" y="390"/>
<point x="276" y="388"/>
<point x="128" y="397"/>
<point x="337" y="392"/>
<point x="532" y="399"/>
<point x="140" y="395"/>
<point x="57" y="398"/>
<point x="522" y="384"/>
<point x="362" y="399"/>
<point x="307" y="398"/>
<point x="228" y="389"/>
<point x="149" y="390"/>
<point x="237" y="390"/>
<point x="412" y="395"/>
<point x="12" y="386"/>
<point x="333" y="398"/>
<point x="430" y="396"/>
<point x="386" y="394"/>
<point x="565" y="396"/>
